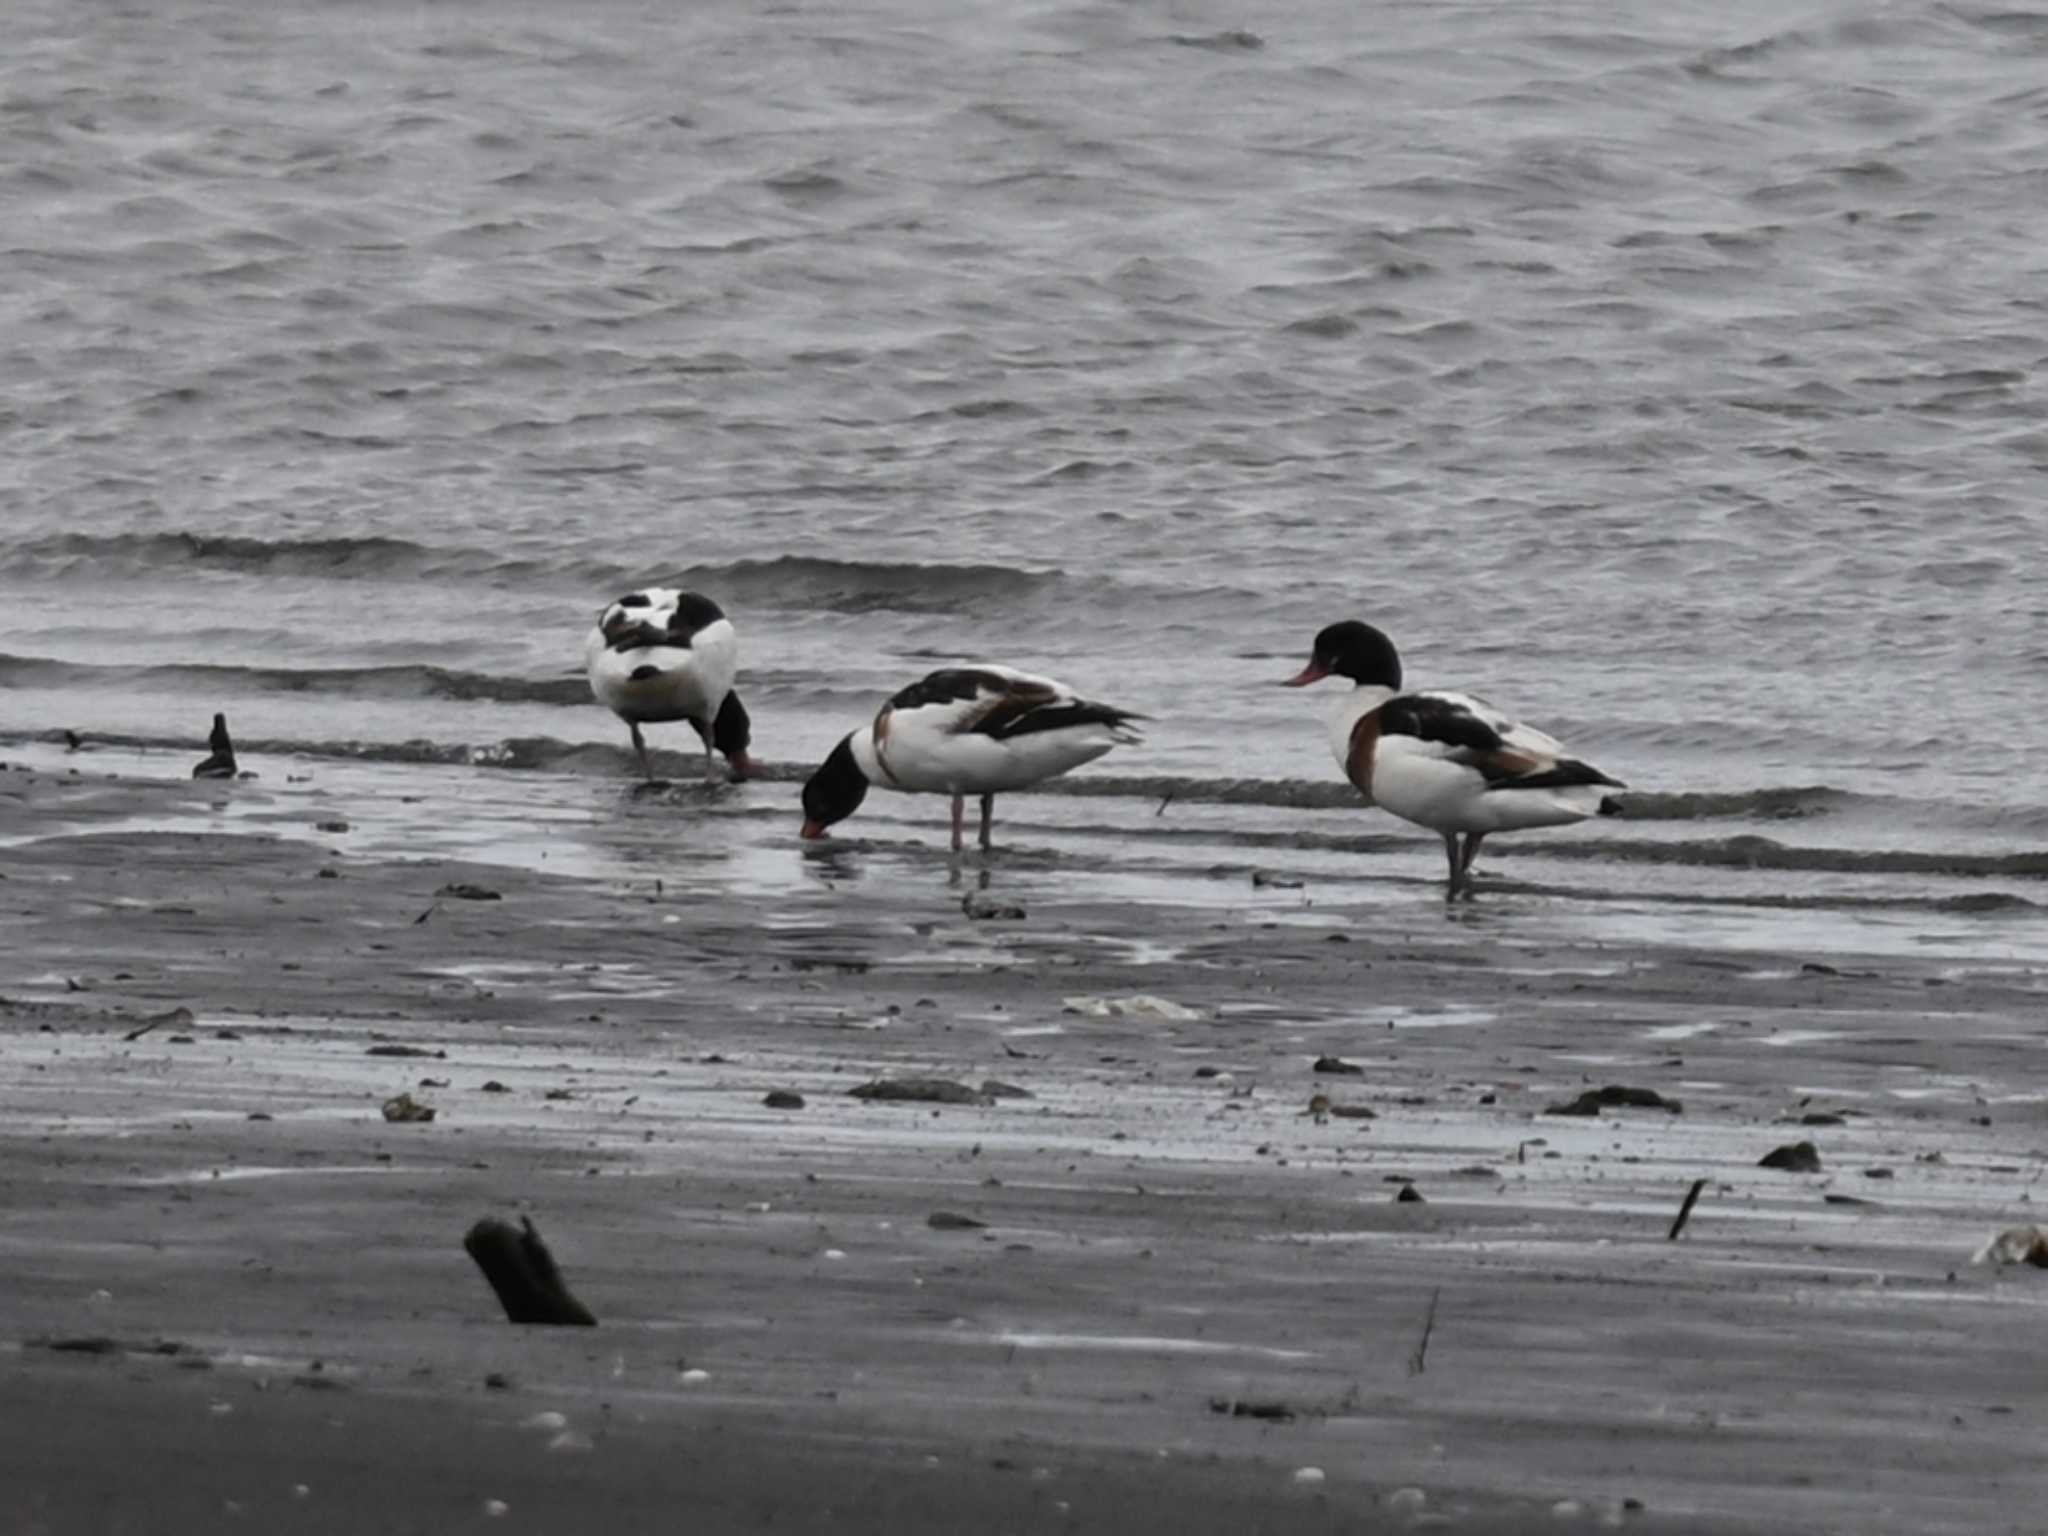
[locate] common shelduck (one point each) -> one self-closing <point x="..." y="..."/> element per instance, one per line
<point x="963" y="731"/>
<point x="1446" y="761"/>
<point x="662" y="655"/>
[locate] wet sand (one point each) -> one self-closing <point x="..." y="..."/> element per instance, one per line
<point x="274" y="1321"/>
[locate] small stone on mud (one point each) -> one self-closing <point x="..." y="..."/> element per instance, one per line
<point x="919" y="1090"/>
<point x="406" y="1050"/>
<point x="494" y="1086"/>
<point x="1409" y="1195"/>
<point x="995" y="1088"/>
<point x="1338" y="1065"/>
<point x="463" y="890"/>
<point x="1615" y="1096"/>
<point x="953" y="1221"/>
<point x="330" y="826"/>
<point x="1795" y="1157"/>
<point x="782" y="1098"/>
<point x="2015" y="1245"/>
<point x="404" y="1109"/>
<point x="985" y="909"/>
<point x="1273" y="1412"/>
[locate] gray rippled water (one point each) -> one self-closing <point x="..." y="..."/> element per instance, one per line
<point x="1669" y="374"/>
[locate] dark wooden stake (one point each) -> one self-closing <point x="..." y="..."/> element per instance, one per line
<point x="1684" y="1211"/>
<point x="523" y="1273"/>
<point x="1416" y="1360"/>
<point x="221" y="765"/>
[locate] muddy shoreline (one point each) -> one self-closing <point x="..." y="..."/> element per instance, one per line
<point x="1185" y="1291"/>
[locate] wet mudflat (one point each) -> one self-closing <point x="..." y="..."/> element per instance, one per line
<point x="1148" y="1266"/>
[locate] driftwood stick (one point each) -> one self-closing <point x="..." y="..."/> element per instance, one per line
<point x="523" y="1273"/>
<point x="1416" y="1361"/>
<point x="1684" y="1211"/>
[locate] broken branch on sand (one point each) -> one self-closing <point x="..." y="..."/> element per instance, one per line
<point x="1417" y="1361"/>
<point x="1684" y="1211"/>
<point x="523" y="1273"/>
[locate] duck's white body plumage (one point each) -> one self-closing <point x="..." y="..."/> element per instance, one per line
<point x="662" y="655"/>
<point x="984" y="729"/>
<point x="1454" y="785"/>
<point x="973" y="730"/>
<point x="1447" y="761"/>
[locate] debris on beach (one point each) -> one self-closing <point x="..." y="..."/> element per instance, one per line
<point x="406" y="1050"/>
<point x="919" y="1090"/>
<point x="1263" y="878"/>
<point x="220" y="761"/>
<point x="1138" y="1005"/>
<point x="2015" y="1245"/>
<point x="1408" y="1194"/>
<point x="1692" y="1197"/>
<point x="953" y="1221"/>
<point x="523" y="1273"/>
<point x="1616" y="1096"/>
<point x="177" y="1018"/>
<point x="1321" y="1106"/>
<point x="782" y="1098"/>
<point x="99" y="1344"/>
<point x="1237" y="1408"/>
<point x="404" y="1109"/>
<point x="1794" y="1157"/>
<point x="330" y="826"/>
<point x="1338" y="1066"/>
<point x="983" y="909"/>
<point x="996" y="1088"/>
<point x="463" y="890"/>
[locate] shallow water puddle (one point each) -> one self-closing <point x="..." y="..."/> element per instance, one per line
<point x="1130" y="1343"/>
<point x="1680" y="1031"/>
<point x="236" y="1173"/>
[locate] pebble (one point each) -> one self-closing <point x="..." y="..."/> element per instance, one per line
<point x="496" y="1508"/>
<point x="694" y="1375"/>
<point x="1410" y="1498"/>
<point x="569" y="1440"/>
<point x="548" y="1420"/>
<point x="1308" y="1474"/>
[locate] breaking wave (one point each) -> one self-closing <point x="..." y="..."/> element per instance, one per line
<point x="789" y="581"/>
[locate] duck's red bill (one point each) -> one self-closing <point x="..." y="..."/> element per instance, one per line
<point x="1312" y="673"/>
<point x="813" y="830"/>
